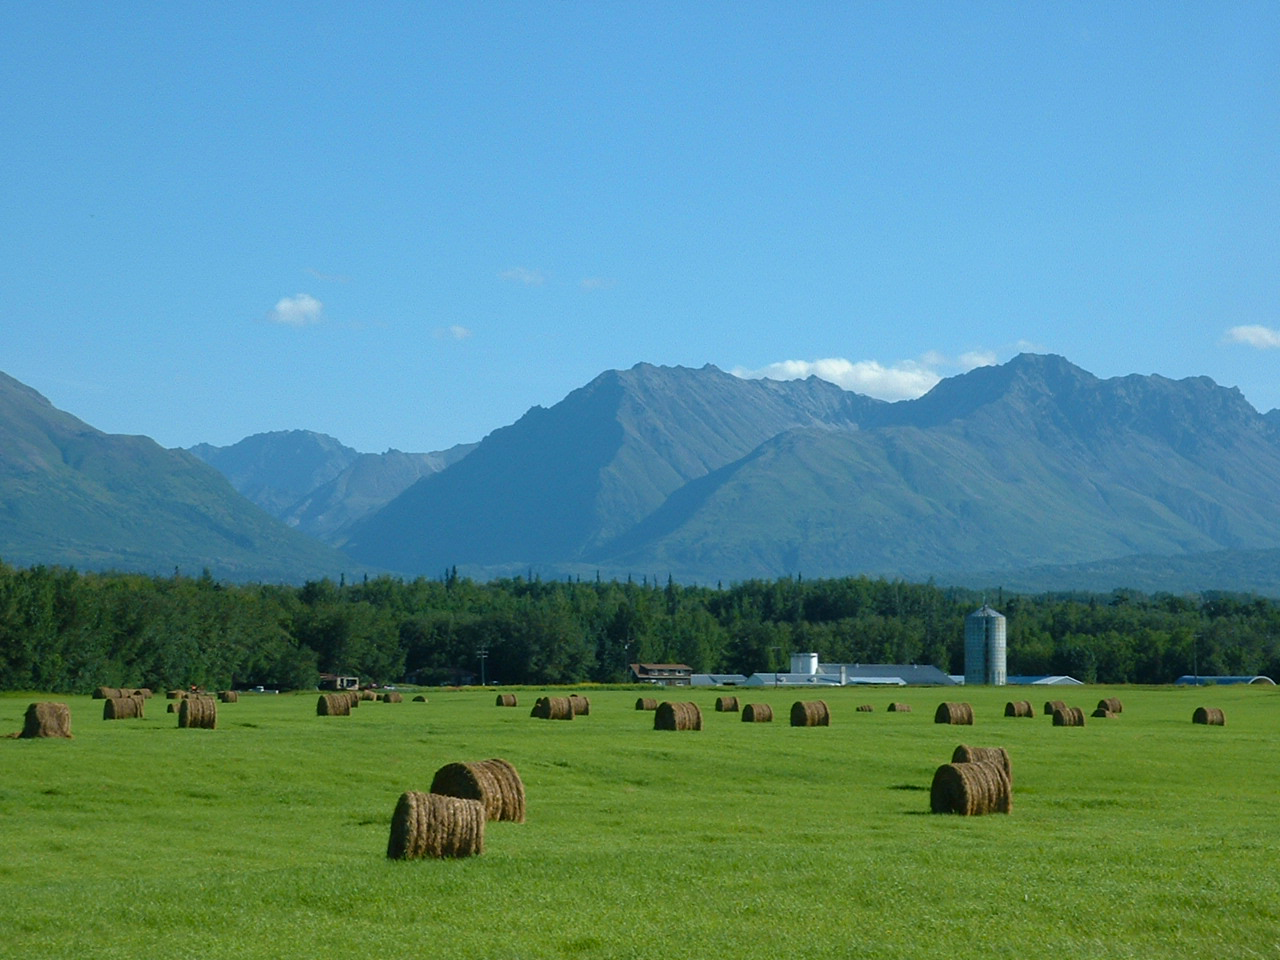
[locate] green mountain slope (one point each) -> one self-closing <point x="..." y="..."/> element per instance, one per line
<point x="1033" y="463"/>
<point x="1237" y="571"/>
<point x="72" y="495"/>
<point x="699" y="475"/>
<point x="558" y="482"/>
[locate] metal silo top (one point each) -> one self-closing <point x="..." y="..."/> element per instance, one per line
<point x="987" y="611"/>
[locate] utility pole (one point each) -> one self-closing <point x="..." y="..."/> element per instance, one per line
<point x="482" y="652"/>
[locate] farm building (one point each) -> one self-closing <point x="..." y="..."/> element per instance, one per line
<point x="1199" y="681"/>
<point x="718" y="679"/>
<point x="331" y="681"/>
<point x="668" y="674"/>
<point x="807" y="671"/>
<point x="1044" y="681"/>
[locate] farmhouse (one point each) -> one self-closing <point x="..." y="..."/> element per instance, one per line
<point x="668" y="674"/>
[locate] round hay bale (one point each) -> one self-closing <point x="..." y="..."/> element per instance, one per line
<point x="391" y="696"/>
<point x="333" y="705"/>
<point x="899" y="708"/>
<point x="810" y="713"/>
<point x="1052" y="705"/>
<point x="581" y="705"/>
<point x="108" y="693"/>
<point x="419" y="699"/>
<point x="677" y="716"/>
<point x="367" y="695"/>
<point x="864" y="708"/>
<point x="172" y="708"/>
<point x="1103" y="714"/>
<point x="495" y="783"/>
<point x="198" y="713"/>
<point x="646" y="703"/>
<point x="353" y="697"/>
<point x="507" y="700"/>
<point x="553" y="708"/>
<point x="228" y="696"/>
<point x="997" y="755"/>
<point x="757" y="713"/>
<point x="1068" y="717"/>
<point x="1019" y="708"/>
<point x="1211" y="716"/>
<point x="970" y="789"/>
<point x="727" y="705"/>
<point x="46" y="720"/>
<point x="958" y="714"/>
<point x="433" y="825"/>
<point x="175" y="694"/>
<point x="122" y="708"/>
<point x="143" y="693"/>
<point x="1111" y="704"/>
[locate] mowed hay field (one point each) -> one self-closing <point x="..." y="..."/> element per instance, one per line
<point x="1143" y="836"/>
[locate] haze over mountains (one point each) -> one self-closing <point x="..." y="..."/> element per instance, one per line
<point x="316" y="484"/>
<point x="1034" y="474"/>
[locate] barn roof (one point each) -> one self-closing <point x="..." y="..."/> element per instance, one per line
<point x="717" y="679"/>
<point x="1200" y="681"/>
<point x="916" y="673"/>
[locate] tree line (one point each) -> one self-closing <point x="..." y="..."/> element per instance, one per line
<point x="62" y="630"/>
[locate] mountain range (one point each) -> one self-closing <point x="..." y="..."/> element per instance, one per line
<point x="1034" y="474"/>
<point x="72" y="495"/>
<point x="706" y="476"/>
<point x="316" y="484"/>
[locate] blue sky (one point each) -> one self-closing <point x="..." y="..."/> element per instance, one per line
<point x="403" y="224"/>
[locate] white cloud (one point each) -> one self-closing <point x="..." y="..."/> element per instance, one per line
<point x="977" y="358"/>
<point x="454" y="332"/>
<point x="1264" y="338"/>
<point x="297" y="311"/>
<point x="525" y="276"/>
<point x="904" y="380"/>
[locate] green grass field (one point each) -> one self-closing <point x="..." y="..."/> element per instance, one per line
<point x="1145" y="836"/>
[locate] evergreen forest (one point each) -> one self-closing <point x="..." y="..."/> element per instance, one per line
<point x="67" y="631"/>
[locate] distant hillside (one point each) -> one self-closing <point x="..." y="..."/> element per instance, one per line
<point x="1237" y="571"/>
<point x="711" y="478"/>
<point x="316" y="484"/>
<point x="72" y="495"/>
<point x="276" y="469"/>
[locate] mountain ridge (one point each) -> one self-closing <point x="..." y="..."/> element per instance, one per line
<point x="1014" y="474"/>
<point x="592" y="465"/>
<point x="71" y="495"/>
<point x="317" y="484"/>
<point x="1036" y="458"/>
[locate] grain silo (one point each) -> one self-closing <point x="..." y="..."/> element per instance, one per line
<point x="984" y="648"/>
